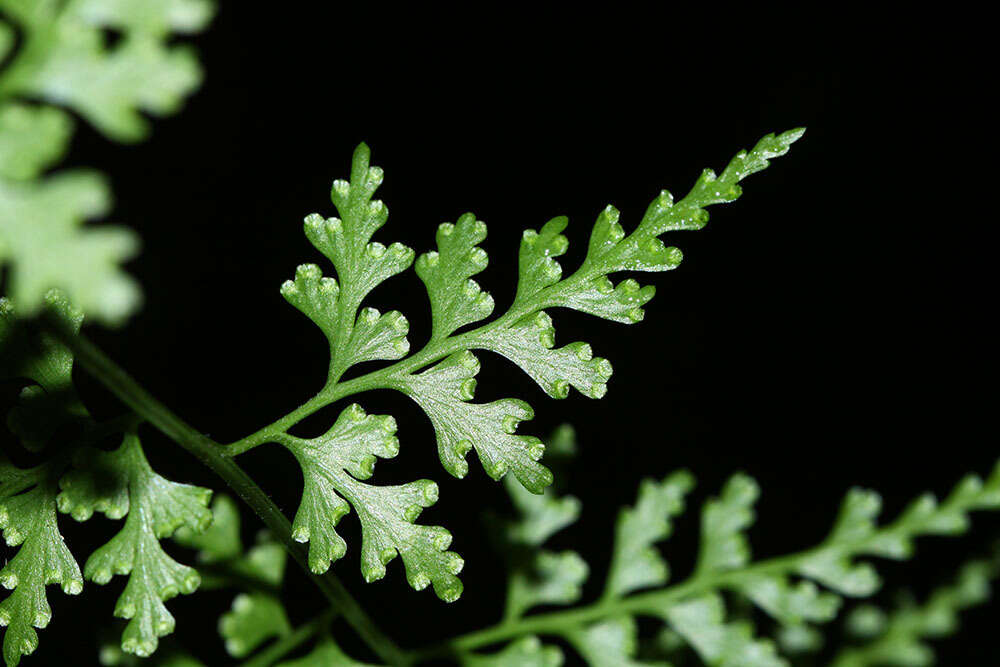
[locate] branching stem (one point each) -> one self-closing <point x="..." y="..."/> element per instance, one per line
<point x="651" y="603"/>
<point x="209" y="452"/>
<point x="383" y="377"/>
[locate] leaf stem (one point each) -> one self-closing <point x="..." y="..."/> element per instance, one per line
<point x="122" y="385"/>
<point x="377" y="379"/>
<point x="652" y="602"/>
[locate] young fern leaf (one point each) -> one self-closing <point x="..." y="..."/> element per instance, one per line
<point x="121" y="484"/>
<point x="361" y="266"/>
<point x="456" y="299"/>
<point x="28" y="518"/>
<point x="635" y="562"/>
<point x="333" y="466"/>
<point x="610" y="643"/>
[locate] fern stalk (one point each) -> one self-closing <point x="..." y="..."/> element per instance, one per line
<point x="854" y="535"/>
<point x="209" y="452"/>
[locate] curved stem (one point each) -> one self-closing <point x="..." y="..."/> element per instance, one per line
<point x="112" y="376"/>
<point x="377" y="379"/>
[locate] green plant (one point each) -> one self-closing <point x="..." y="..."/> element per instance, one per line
<point x="62" y="271"/>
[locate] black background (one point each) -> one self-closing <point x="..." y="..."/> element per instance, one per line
<point x="829" y="329"/>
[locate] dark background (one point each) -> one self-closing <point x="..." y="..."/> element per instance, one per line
<point x="829" y="329"/>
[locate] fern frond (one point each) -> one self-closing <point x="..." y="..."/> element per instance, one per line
<point x="899" y="639"/>
<point x="636" y="563"/>
<point x="28" y="507"/>
<point x="121" y="484"/>
<point x="333" y="466"/>
<point x="441" y="376"/>
<point x="28" y="518"/>
<point x="798" y="591"/>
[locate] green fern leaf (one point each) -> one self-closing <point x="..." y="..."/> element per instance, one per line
<point x="121" y="484"/>
<point x="443" y="392"/>
<point x="791" y="604"/>
<point x="456" y="299"/>
<point x="221" y="540"/>
<point x="541" y="515"/>
<point x="900" y="638"/>
<point x="332" y="466"/>
<point x="440" y="377"/>
<point x="31" y="139"/>
<point x="724" y="545"/>
<point x="857" y="534"/>
<point x="701" y="622"/>
<point x="63" y="59"/>
<point x="610" y="643"/>
<point x="361" y="265"/>
<point x="537" y="266"/>
<point x="551" y="578"/>
<point x="538" y="577"/>
<point x="529" y="344"/>
<point x="41" y="224"/>
<point x="253" y="619"/>
<point x="636" y="563"/>
<point x="28" y="518"/>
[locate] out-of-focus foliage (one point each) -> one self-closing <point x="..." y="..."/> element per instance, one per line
<point x="799" y="592"/>
<point x="56" y="59"/>
<point x="900" y="637"/>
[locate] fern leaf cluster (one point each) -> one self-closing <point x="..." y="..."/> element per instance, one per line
<point x="900" y="637"/>
<point x="79" y="481"/>
<point x="441" y="376"/>
<point x="798" y="592"/>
